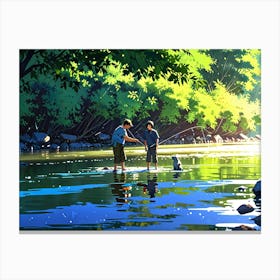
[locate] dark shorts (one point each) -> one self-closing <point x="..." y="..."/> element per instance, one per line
<point x="152" y="155"/>
<point x="119" y="155"/>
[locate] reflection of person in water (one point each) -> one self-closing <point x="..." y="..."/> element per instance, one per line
<point x="151" y="186"/>
<point x="119" y="189"/>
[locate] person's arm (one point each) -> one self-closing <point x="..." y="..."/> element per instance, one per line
<point x="157" y="142"/>
<point x="145" y="141"/>
<point x="130" y="139"/>
<point x="145" y="144"/>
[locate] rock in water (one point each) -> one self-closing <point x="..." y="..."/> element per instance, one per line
<point x="243" y="227"/>
<point x="258" y="220"/>
<point x="241" y="189"/>
<point x="245" y="208"/>
<point x="257" y="189"/>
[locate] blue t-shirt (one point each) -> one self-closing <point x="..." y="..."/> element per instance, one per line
<point x="151" y="137"/>
<point x="118" y="136"/>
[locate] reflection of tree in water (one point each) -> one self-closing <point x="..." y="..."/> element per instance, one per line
<point x="120" y="189"/>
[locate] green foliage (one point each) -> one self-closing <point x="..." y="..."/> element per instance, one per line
<point x="47" y="101"/>
<point x="204" y="109"/>
<point x="68" y="111"/>
<point x="207" y="108"/>
<point x="252" y="73"/>
<point x="170" y="113"/>
<point x="61" y="87"/>
<point x="27" y="106"/>
<point x="238" y="70"/>
<point x="179" y="92"/>
<point x="234" y="109"/>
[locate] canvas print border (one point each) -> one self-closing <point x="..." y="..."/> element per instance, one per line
<point x="19" y="249"/>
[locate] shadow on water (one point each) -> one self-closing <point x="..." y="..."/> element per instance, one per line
<point x="78" y="195"/>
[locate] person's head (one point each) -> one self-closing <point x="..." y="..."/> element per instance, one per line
<point x="127" y="123"/>
<point x="150" y="125"/>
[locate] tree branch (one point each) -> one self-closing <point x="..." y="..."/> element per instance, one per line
<point x="30" y="69"/>
<point x="25" y="61"/>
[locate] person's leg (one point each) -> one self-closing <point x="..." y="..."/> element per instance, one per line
<point x="155" y="159"/>
<point x="115" y="167"/>
<point x="118" y="156"/>
<point x="115" y="158"/>
<point x="148" y="159"/>
<point x="123" y="166"/>
<point x="122" y="157"/>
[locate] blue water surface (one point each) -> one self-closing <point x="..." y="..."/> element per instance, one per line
<point x="82" y="195"/>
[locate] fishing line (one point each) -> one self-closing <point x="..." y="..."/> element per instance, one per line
<point x="182" y="132"/>
<point x="134" y="136"/>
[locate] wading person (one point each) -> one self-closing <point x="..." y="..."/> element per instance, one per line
<point x="151" y="139"/>
<point x="119" y="138"/>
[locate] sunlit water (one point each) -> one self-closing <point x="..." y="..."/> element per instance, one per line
<point x="77" y="194"/>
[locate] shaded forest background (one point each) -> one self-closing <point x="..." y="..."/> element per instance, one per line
<point x="88" y="93"/>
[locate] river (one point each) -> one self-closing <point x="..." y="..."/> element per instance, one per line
<point x="76" y="191"/>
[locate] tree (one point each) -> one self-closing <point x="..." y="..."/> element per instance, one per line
<point x="82" y="90"/>
<point x="237" y="69"/>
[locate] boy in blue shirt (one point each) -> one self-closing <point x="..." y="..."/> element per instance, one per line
<point x="151" y="140"/>
<point x="118" y="140"/>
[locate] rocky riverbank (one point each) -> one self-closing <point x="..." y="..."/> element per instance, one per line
<point x="69" y="142"/>
<point x="64" y="142"/>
